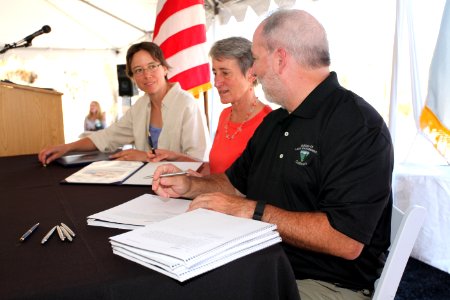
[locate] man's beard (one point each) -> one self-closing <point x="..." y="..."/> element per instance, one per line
<point x="272" y="88"/>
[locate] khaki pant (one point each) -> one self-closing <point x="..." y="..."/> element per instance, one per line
<point x="320" y="290"/>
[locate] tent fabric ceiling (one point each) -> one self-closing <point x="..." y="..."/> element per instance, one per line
<point x="238" y="8"/>
<point x="101" y="24"/>
<point x="78" y="24"/>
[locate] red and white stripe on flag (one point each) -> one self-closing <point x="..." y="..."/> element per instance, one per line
<point x="180" y="31"/>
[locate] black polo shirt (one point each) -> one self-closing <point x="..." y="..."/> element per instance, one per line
<point x="332" y="154"/>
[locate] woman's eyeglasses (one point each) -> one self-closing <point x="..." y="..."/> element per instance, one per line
<point x="151" y="68"/>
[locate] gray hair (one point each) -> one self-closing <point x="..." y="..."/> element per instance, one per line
<point x="238" y="48"/>
<point x="300" y="34"/>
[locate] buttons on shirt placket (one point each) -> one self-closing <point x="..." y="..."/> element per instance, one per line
<point x="286" y="134"/>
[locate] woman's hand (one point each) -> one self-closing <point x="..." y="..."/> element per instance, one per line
<point x="162" y="154"/>
<point x="50" y="153"/>
<point x="130" y="154"/>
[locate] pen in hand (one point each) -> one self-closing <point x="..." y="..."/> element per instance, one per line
<point x="168" y="174"/>
<point x="151" y="144"/>
<point x="30" y="231"/>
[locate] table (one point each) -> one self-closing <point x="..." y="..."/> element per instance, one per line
<point x="87" y="268"/>
<point x="427" y="186"/>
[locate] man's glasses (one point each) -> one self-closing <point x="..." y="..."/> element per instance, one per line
<point x="151" y="68"/>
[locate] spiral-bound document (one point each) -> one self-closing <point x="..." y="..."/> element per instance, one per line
<point x="194" y="242"/>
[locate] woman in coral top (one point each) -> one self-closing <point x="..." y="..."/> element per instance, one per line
<point x="232" y="62"/>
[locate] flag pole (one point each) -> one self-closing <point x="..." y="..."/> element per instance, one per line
<point x="205" y="105"/>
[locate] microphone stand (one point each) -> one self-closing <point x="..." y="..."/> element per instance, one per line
<point x="15" y="45"/>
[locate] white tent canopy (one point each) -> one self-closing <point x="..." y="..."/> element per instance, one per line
<point x="101" y="24"/>
<point x="77" y="24"/>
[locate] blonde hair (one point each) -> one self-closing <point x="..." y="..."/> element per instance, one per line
<point x="98" y="115"/>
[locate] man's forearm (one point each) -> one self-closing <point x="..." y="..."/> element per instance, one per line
<point x="312" y="231"/>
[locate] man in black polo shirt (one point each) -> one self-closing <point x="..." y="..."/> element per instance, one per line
<point x="320" y="167"/>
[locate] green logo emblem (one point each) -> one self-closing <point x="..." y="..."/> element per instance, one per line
<point x="303" y="155"/>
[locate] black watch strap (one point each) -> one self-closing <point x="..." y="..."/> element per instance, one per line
<point x="259" y="210"/>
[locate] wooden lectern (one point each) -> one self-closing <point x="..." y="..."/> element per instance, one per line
<point x="30" y="119"/>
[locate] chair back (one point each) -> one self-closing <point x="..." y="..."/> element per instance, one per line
<point x="405" y="228"/>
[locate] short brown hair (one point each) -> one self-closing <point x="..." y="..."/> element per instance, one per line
<point x="153" y="49"/>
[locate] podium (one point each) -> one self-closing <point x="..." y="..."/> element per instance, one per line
<point x="30" y="119"/>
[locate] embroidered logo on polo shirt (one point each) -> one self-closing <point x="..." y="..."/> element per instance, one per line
<point x="305" y="154"/>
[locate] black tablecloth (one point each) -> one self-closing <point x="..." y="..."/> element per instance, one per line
<point x="86" y="268"/>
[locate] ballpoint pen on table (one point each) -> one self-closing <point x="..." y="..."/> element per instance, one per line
<point x="48" y="235"/>
<point x="168" y="174"/>
<point x="30" y="231"/>
<point x="60" y="233"/>
<point x="68" y="229"/>
<point x="66" y="233"/>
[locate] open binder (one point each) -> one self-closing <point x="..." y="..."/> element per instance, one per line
<point x="122" y="172"/>
<point x="193" y="243"/>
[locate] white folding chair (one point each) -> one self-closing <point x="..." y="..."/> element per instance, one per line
<point x="404" y="230"/>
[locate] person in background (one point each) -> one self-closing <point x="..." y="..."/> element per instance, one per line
<point x="234" y="79"/>
<point x="320" y="167"/>
<point x="95" y="119"/>
<point x="165" y="117"/>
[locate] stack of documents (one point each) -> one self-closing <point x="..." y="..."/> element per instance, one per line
<point x="140" y="211"/>
<point x="193" y="243"/>
<point x="123" y="172"/>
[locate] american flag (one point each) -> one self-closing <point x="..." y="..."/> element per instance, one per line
<point x="180" y="31"/>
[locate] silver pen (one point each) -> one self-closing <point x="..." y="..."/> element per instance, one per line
<point x="29" y="231"/>
<point x="48" y="235"/>
<point x="66" y="233"/>
<point x="68" y="229"/>
<point x="60" y="233"/>
<point x="168" y="174"/>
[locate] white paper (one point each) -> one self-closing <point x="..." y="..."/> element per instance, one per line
<point x="183" y="273"/>
<point x="194" y="242"/>
<point x="141" y="211"/>
<point x="105" y="171"/>
<point x="124" y="172"/>
<point x="177" y="266"/>
<point x="141" y="176"/>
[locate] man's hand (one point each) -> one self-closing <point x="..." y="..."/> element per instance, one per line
<point x="174" y="186"/>
<point x="229" y="204"/>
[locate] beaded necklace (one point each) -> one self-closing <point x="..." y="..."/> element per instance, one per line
<point x="239" y="129"/>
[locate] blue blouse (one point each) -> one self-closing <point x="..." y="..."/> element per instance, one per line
<point x="154" y="136"/>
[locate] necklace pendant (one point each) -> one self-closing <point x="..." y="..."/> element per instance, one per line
<point x="239" y="129"/>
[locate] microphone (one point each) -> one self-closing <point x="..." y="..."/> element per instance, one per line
<point x="44" y="29"/>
